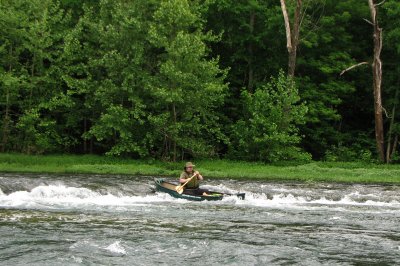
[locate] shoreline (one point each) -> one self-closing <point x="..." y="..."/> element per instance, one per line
<point x="334" y="172"/>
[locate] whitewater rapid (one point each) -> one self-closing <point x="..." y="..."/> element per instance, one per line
<point x="121" y="220"/>
<point x="62" y="196"/>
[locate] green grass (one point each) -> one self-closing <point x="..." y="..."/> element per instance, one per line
<point x="310" y="172"/>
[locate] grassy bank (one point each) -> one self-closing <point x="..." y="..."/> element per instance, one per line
<point x="90" y="164"/>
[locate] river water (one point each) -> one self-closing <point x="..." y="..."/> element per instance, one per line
<point x="120" y="220"/>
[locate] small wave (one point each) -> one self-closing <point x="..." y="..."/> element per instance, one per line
<point x="62" y="192"/>
<point x="60" y="196"/>
<point x="92" y="247"/>
<point x="282" y="199"/>
<point x="78" y="260"/>
<point x="116" y="248"/>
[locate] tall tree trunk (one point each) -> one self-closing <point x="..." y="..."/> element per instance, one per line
<point x="292" y="35"/>
<point x="84" y="133"/>
<point x="32" y="77"/>
<point x="6" y="119"/>
<point x="391" y="147"/>
<point x="395" y="142"/>
<point x="377" y="82"/>
<point x="91" y="145"/>
<point x="250" y="82"/>
<point x="174" y="141"/>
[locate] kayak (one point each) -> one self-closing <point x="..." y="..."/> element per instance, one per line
<point x="170" y="188"/>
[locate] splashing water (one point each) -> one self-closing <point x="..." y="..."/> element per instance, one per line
<point x="116" y="248"/>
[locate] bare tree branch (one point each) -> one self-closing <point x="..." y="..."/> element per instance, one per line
<point x="372" y="10"/>
<point x="386" y="113"/>
<point x="287" y="25"/>
<point x="317" y="13"/>
<point x="381" y="3"/>
<point x="354" y="66"/>
<point x="303" y="13"/>
<point x="369" y="22"/>
<point x="292" y="34"/>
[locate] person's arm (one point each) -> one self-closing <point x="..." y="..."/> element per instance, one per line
<point x="182" y="178"/>
<point x="199" y="176"/>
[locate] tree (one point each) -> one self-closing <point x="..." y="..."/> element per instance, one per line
<point x="377" y="82"/>
<point x="292" y="34"/>
<point x="268" y="130"/>
<point x="390" y="12"/>
<point x="12" y="72"/>
<point x="168" y="79"/>
<point x="326" y="43"/>
<point x="104" y="75"/>
<point x="187" y="88"/>
<point x="31" y="32"/>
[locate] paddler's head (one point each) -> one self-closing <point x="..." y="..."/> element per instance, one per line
<point x="189" y="167"/>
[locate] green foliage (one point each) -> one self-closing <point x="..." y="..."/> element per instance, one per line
<point x="355" y="153"/>
<point x="331" y="47"/>
<point x="30" y="36"/>
<point x="40" y="134"/>
<point x="118" y="122"/>
<point x="188" y="88"/>
<point x="269" y="130"/>
<point x="180" y="79"/>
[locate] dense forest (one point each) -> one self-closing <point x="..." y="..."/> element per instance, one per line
<point x="178" y="79"/>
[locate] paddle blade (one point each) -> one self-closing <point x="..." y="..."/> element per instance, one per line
<point x="241" y="195"/>
<point x="179" y="189"/>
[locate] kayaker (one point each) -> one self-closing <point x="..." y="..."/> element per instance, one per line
<point x="192" y="187"/>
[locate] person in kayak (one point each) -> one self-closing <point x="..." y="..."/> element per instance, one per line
<point x="192" y="187"/>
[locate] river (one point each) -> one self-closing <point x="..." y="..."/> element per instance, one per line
<point x="120" y="220"/>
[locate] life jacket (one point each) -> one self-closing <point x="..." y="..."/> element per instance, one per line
<point x="194" y="183"/>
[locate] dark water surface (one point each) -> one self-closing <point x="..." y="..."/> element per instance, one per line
<point x="113" y="220"/>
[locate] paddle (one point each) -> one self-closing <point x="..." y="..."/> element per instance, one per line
<point x="239" y="195"/>
<point x="179" y="189"/>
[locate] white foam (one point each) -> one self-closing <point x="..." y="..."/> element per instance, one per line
<point x="62" y="197"/>
<point x="70" y="197"/>
<point x="116" y="248"/>
<point x="289" y="200"/>
<point x="284" y="198"/>
<point x="77" y="259"/>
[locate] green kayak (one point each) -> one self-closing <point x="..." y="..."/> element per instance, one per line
<point x="170" y="188"/>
